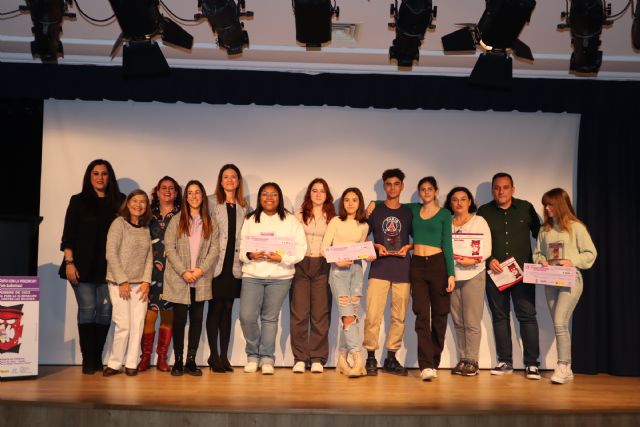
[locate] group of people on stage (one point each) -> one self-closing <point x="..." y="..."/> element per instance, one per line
<point x="130" y="259"/>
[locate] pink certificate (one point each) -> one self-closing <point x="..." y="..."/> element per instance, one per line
<point x="350" y="252"/>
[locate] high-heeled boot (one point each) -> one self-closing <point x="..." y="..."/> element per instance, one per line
<point x="162" y="348"/>
<point x="147" y="347"/>
<point x="86" y="335"/>
<point x="190" y="366"/>
<point x="101" y="332"/>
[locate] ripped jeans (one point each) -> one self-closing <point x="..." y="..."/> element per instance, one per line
<point x="346" y="286"/>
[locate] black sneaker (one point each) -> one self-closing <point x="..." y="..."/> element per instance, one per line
<point x="470" y="369"/>
<point x="392" y="366"/>
<point x="502" y="368"/>
<point x="532" y="372"/>
<point x="459" y="368"/>
<point x="371" y="366"/>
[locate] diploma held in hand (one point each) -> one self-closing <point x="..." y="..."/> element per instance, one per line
<point x="511" y="274"/>
<point x="267" y="243"/>
<point x="350" y="252"/>
<point x="551" y="275"/>
<point x="467" y="245"/>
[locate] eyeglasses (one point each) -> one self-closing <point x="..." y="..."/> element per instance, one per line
<point x="269" y="195"/>
<point x="165" y="188"/>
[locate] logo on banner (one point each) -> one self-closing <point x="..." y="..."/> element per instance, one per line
<point x="10" y="328"/>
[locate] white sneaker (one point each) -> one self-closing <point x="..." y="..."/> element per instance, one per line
<point x="267" y="369"/>
<point x="298" y="368"/>
<point x="428" y="374"/>
<point x="251" y="367"/>
<point x="317" y="368"/>
<point x="562" y="374"/>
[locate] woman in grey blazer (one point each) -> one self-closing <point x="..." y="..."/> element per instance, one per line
<point x="228" y="209"/>
<point x="191" y="246"/>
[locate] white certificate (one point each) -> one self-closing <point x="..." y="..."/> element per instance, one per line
<point x="467" y="244"/>
<point x="511" y="274"/>
<point x="269" y="243"/>
<point x="551" y="275"/>
<point x="350" y="252"/>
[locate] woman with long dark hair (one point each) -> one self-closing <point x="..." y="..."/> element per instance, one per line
<point x="84" y="241"/>
<point x="166" y="199"/>
<point x="228" y="209"/>
<point x="266" y="276"/>
<point x="310" y="295"/>
<point x="191" y="245"/>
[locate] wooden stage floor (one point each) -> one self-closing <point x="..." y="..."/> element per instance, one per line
<point x="329" y="394"/>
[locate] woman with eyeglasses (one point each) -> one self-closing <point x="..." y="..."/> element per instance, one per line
<point x="266" y="275"/>
<point x="166" y="199"/>
<point x="191" y="245"/>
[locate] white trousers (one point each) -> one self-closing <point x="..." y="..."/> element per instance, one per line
<point x="128" y="318"/>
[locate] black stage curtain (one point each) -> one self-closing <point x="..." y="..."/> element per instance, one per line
<point x="607" y="321"/>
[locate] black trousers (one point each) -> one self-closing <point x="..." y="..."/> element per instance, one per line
<point x="180" y="311"/>
<point x="524" y="304"/>
<point x="431" y="305"/>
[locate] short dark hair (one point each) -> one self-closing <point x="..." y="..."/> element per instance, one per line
<point x="393" y="173"/>
<point x="144" y="220"/>
<point x="447" y="203"/>
<point x="501" y="175"/>
<point x="154" y="193"/>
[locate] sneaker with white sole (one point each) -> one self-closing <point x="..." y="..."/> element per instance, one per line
<point x="251" y="367"/>
<point x="502" y="368"/>
<point x="428" y="374"/>
<point x="298" y="367"/>
<point x="532" y="373"/>
<point x="267" y="369"/>
<point x="317" y="368"/>
<point x="562" y="374"/>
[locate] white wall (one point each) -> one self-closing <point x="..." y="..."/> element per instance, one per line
<point x="291" y="146"/>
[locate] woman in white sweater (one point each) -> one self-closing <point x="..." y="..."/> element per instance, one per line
<point x="266" y="275"/>
<point x="565" y="241"/>
<point x="129" y="264"/>
<point x="467" y="299"/>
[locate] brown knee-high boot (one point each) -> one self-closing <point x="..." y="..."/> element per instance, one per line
<point x="164" y="339"/>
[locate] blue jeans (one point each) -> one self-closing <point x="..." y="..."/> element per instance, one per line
<point x="261" y="299"/>
<point x="346" y="286"/>
<point x="562" y="301"/>
<point x="94" y="304"/>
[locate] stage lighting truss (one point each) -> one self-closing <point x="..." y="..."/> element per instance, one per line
<point x="142" y="23"/>
<point x="410" y="21"/>
<point x="224" y="17"/>
<point x="313" y="21"/>
<point x="47" y="17"/>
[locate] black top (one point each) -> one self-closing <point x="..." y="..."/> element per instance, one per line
<point x="86" y="225"/>
<point x="511" y="230"/>
<point x="391" y="228"/>
<point x="226" y="286"/>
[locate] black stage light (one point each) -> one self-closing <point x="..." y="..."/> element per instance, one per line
<point x="141" y="22"/>
<point x="585" y="19"/>
<point x="635" y="27"/>
<point x="497" y="35"/>
<point x="313" y="21"/>
<point x="224" y="17"/>
<point x="47" y="16"/>
<point x="410" y="21"/>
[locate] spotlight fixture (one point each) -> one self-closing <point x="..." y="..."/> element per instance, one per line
<point x="47" y="16"/>
<point x="497" y="35"/>
<point x="224" y="17"/>
<point x="585" y="19"/>
<point x="410" y="21"/>
<point x="635" y="27"/>
<point x="141" y="22"/>
<point x="313" y="21"/>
